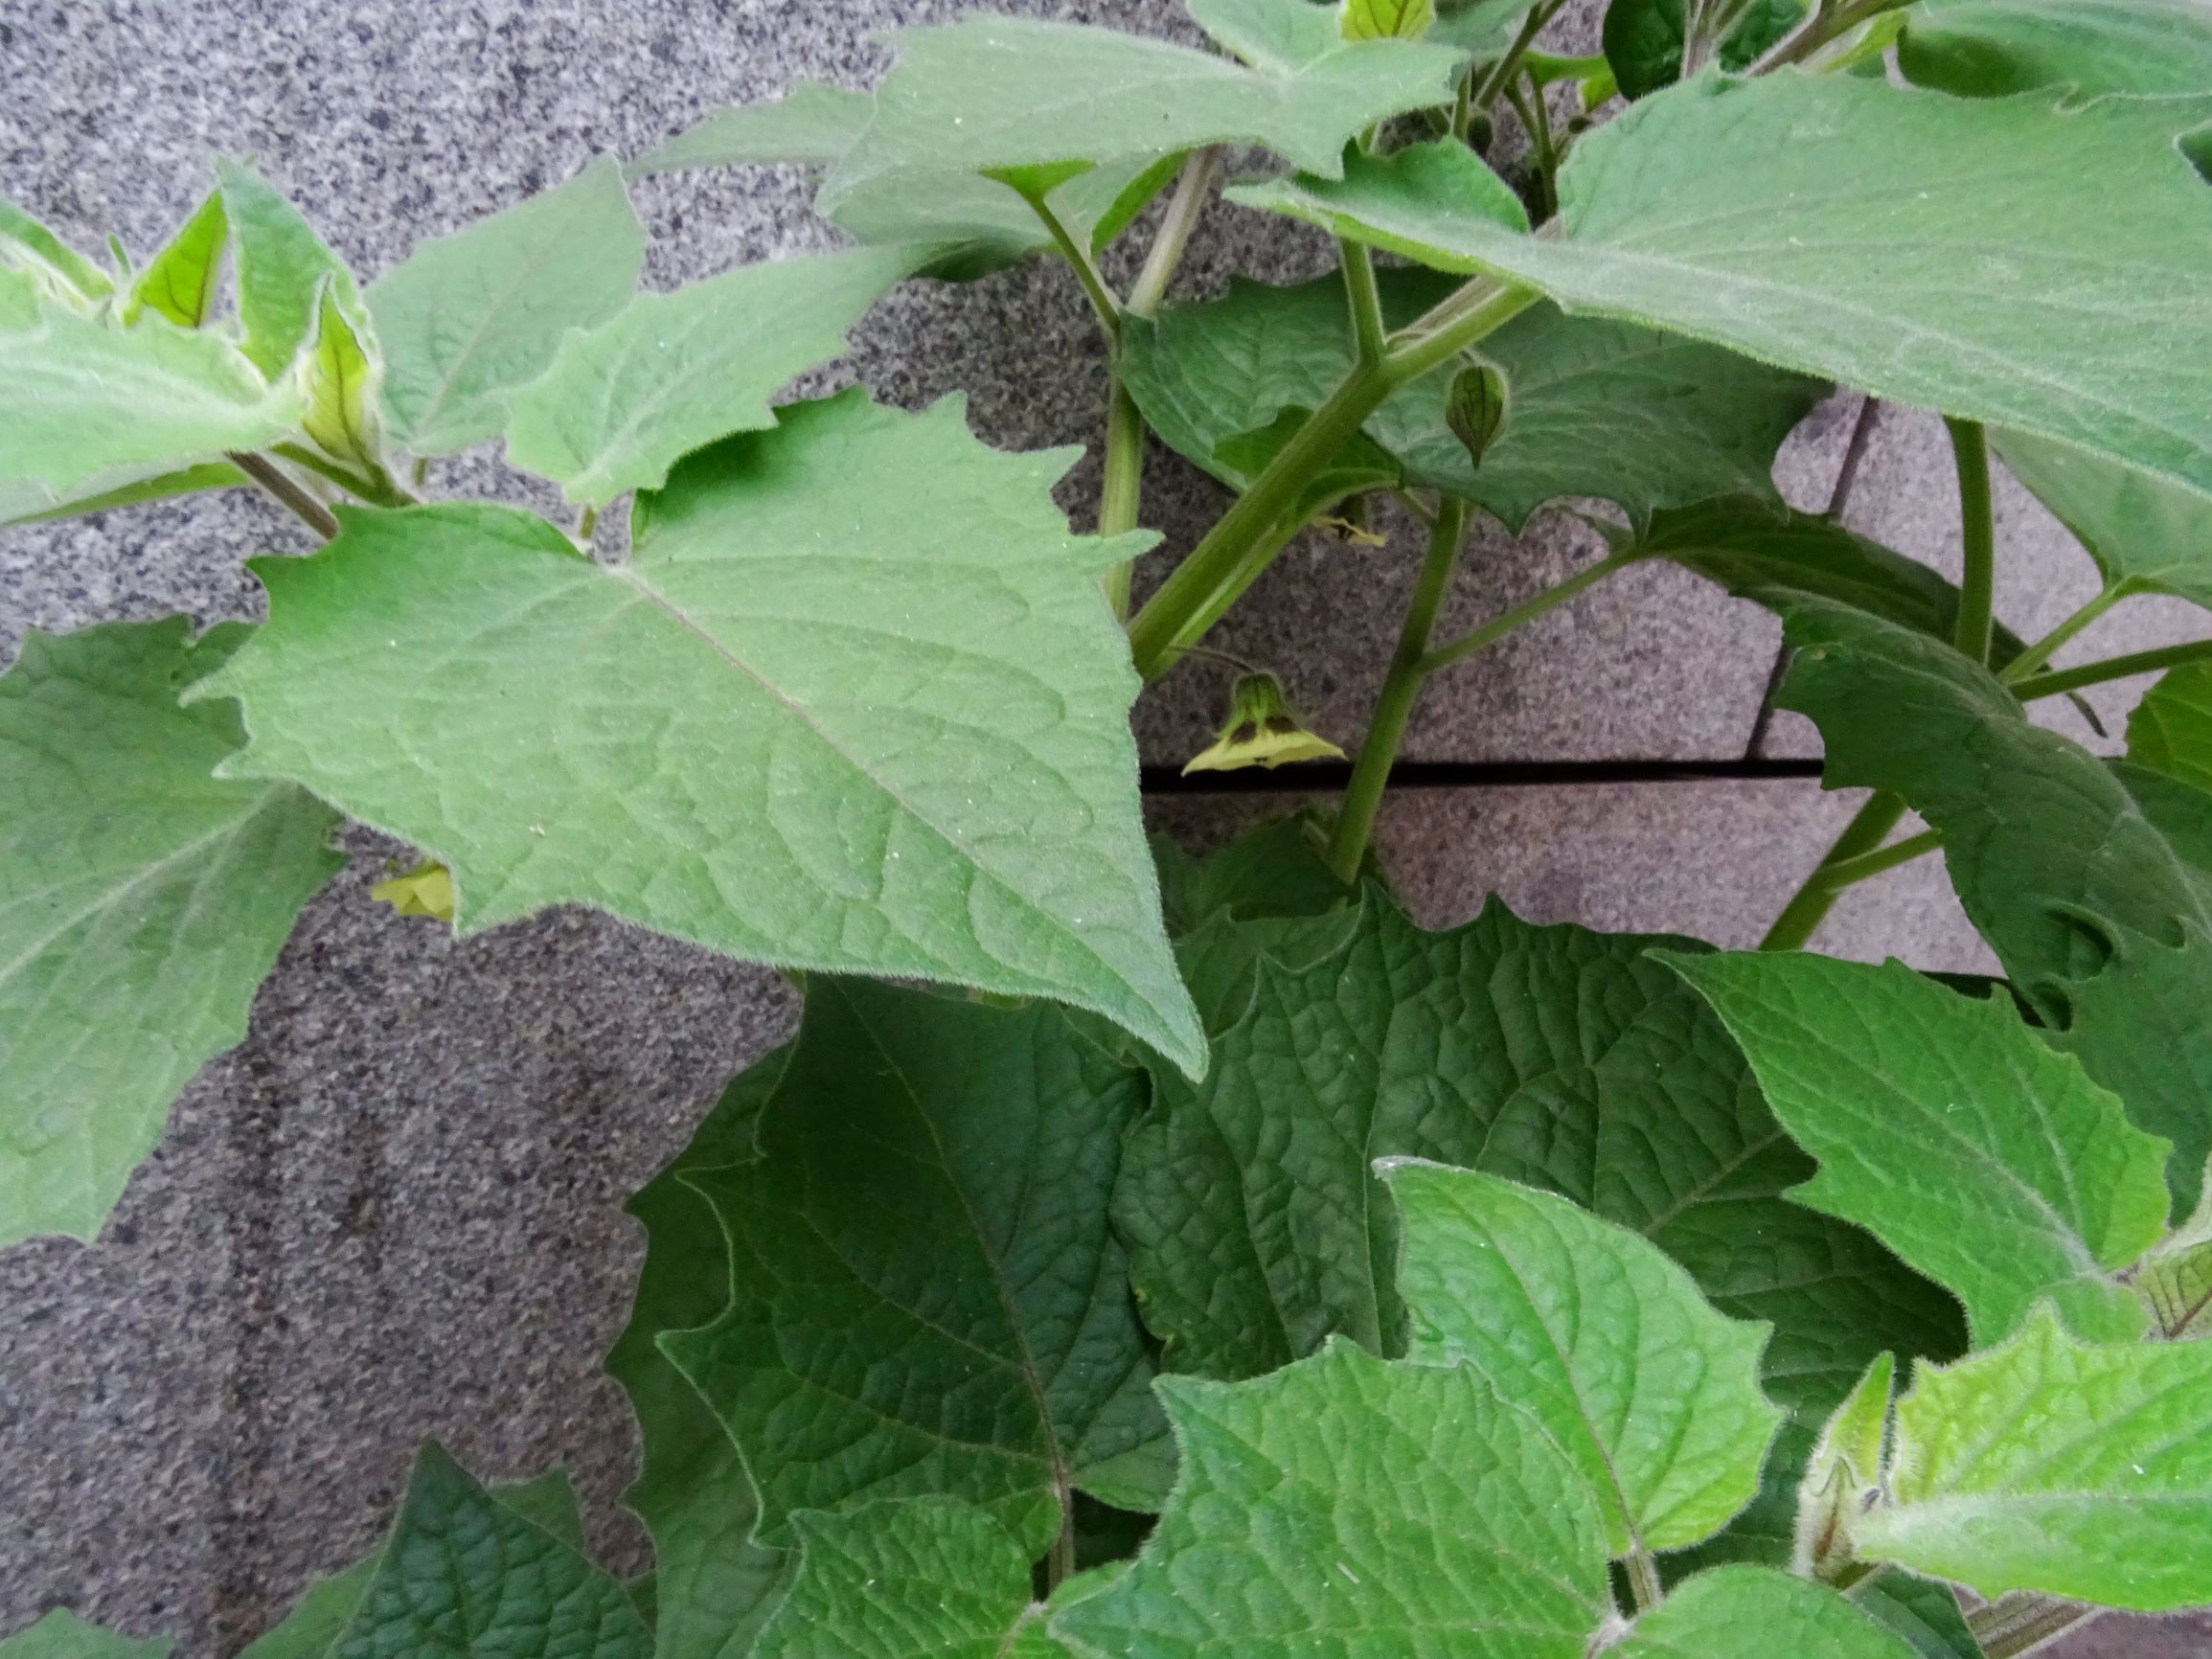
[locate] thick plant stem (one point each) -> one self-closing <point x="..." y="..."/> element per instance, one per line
<point x="2041" y="652"/>
<point x="2062" y="680"/>
<point x="1400" y="688"/>
<point x="1804" y="911"/>
<point x="1969" y="447"/>
<point x="1194" y="188"/>
<point x="1498" y="626"/>
<point x="288" y="490"/>
<point x="1221" y="567"/>
<point x="2025" y="1621"/>
<point x="1364" y="302"/>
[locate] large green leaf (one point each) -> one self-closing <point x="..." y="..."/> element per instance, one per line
<point x="926" y="1296"/>
<point x="712" y="1587"/>
<point x="63" y="1635"/>
<point x="1599" y="1336"/>
<point x="142" y="900"/>
<point x="1995" y="47"/>
<point x="466" y="1576"/>
<point x="1754" y="1613"/>
<point x="2073" y="880"/>
<point x="2171" y="729"/>
<point x="2074" y="1469"/>
<point x="1551" y="1055"/>
<point x="1348" y="1505"/>
<point x="2145" y="532"/>
<point x="470" y="317"/>
<point x="2009" y="262"/>
<point x="1946" y="1126"/>
<point x="281" y="267"/>
<point x="855" y="703"/>
<point x="1044" y="101"/>
<point x="624" y="401"/>
<point x="1599" y="408"/>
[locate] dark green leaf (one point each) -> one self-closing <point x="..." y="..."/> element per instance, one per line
<point x="1278" y="868"/>
<point x="1643" y="39"/>
<point x="1995" y="47"/>
<point x="2171" y="729"/>
<point x="1924" y="1612"/>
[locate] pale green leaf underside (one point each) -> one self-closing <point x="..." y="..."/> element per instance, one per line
<point x="470" y="317"/>
<point x="855" y="703"/>
<point x="2059" y="1466"/>
<point x="810" y="125"/>
<point x="1992" y="48"/>
<point x="142" y="902"/>
<point x="38" y="504"/>
<point x="1349" y="1505"/>
<point x="2171" y="729"/>
<point x="1747" y="1612"/>
<point x="625" y="401"/>
<point x="2009" y="262"/>
<point x="2147" y="532"/>
<point x="1944" y="1126"/>
<point x="63" y="1635"/>
<point x="926" y="1296"/>
<point x="24" y="240"/>
<point x="1599" y="1336"/>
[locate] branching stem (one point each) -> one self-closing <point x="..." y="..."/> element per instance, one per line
<point x="287" y="491"/>
<point x="2096" y="673"/>
<point x="1498" y="626"/>
<point x="1828" y="20"/>
<point x="2041" y="652"/>
<point x="1806" y="911"/>
<point x="1502" y="72"/>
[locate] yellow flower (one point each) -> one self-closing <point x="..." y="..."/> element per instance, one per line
<point x="427" y="889"/>
<point x="1262" y="730"/>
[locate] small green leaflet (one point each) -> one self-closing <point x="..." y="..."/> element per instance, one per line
<point x="2171" y="729"/>
<point x="1845" y="1464"/>
<point x="1345" y="1505"/>
<point x="1995" y="47"/>
<point x="624" y="401"/>
<point x="1599" y="1336"/>
<point x="2145" y="532"/>
<point x="712" y="1584"/>
<point x="855" y="703"/>
<point x="341" y="378"/>
<point x="1597" y="408"/>
<point x="143" y="902"/>
<point x="1385" y="19"/>
<point x="1945" y="1127"/>
<point x="63" y="1635"/>
<point x="464" y="1574"/>
<point x="1049" y="99"/>
<point x="1747" y="1612"/>
<point x="1643" y="39"/>
<point x="2011" y="262"/>
<point x="29" y="246"/>
<point x="283" y="267"/>
<point x="179" y="283"/>
<point x="470" y="317"/>
<point x="2074" y="1469"/>
<point x="925" y="1296"/>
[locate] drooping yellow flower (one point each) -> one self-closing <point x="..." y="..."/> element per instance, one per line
<point x="1262" y="730"/>
<point x="427" y="889"/>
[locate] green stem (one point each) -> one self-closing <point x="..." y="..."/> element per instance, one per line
<point x="587" y="525"/>
<point x="286" y="490"/>
<point x="2040" y="652"/>
<point x="1194" y="190"/>
<point x="1536" y="115"/>
<point x="1366" y="303"/>
<point x="1970" y="448"/>
<point x="1086" y="271"/>
<point x="1643" y="1578"/>
<point x="1401" y="689"/>
<point x="1498" y="626"/>
<point x="1829" y="20"/>
<point x="1849" y="872"/>
<point x="2096" y="673"/>
<point x="380" y="490"/>
<point x="1812" y="901"/>
<point x="1504" y="70"/>
<point x="1121" y="483"/>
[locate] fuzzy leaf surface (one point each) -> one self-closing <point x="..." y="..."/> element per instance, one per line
<point x="281" y="264"/>
<point x="1346" y="1504"/>
<point x="468" y="318"/>
<point x="1946" y="1126"/>
<point x="180" y="281"/>
<point x="855" y="704"/>
<point x="1595" y="1333"/>
<point x="926" y="1296"/>
<point x="143" y="902"/>
<point x="2009" y="261"/>
<point x="1995" y="48"/>
<point x="1742" y="1612"/>
<point x="2075" y="1468"/>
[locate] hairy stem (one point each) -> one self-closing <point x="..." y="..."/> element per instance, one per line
<point x="286" y="490"/>
<point x="1498" y="626"/>
<point x="2025" y="1621"/>
<point x="1806" y="911"/>
<point x="2096" y="673"/>
<point x="1400" y="688"/>
<point x="2040" y="652"/>
<point x="1977" y="584"/>
<point x="1502" y="72"/>
<point x="1643" y="1574"/>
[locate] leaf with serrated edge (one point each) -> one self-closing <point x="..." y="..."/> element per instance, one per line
<point x="624" y="401"/>
<point x="2074" y="1469"/>
<point x="143" y="902"/>
<point x="1755" y="1613"/>
<point x="1995" y="48"/>
<point x="2171" y="729"/>
<point x="282" y="266"/>
<point x="63" y="1635"/>
<point x="926" y="1296"/>
<point x="856" y="703"/>
<point x="1944" y="1125"/>
<point x="2011" y="262"/>
<point x="2145" y="532"/>
<point x="179" y="283"/>
<point x="1599" y="1336"/>
<point x="1349" y="1505"/>
<point x="470" y="317"/>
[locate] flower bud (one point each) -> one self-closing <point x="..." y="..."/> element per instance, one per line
<point x="1262" y="730"/>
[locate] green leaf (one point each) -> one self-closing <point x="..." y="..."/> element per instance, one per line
<point x="1995" y="47"/>
<point x="2054" y="1465"/>
<point x="624" y="401"/>
<point x="714" y="1586"/>
<point x="1385" y="19"/>
<point x="189" y="481"/>
<point x="470" y="317"/>
<point x="810" y="125"/>
<point x="855" y="703"/>
<point x="1597" y="408"/>
<point x="63" y="1635"/>
<point x="2171" y="729"/>
<point x="926" y="1294"/>
<point x="1643" y="39"/>
<point x="1924" y="1612"/>
<point x="1598" y="1335"/>
<point x="341" y="378"/>
<point x="141" y="903"/>
<point x="464" y="1575"/>
<point x="281" y="267"/>
<point x="1347" y="1505"/>
<point x="1843" y="1469"/>
<point x="179" y="283"/>
<point x="2012" y="262"/>
<point x="1551" y="1055"/>
<point x="1000" y="93"/>
<point x="27" y="244"/>
<point x="1280" y="37"/>
<point x="1753" y="1613"/>
<point x="2142" y="531"/>
<point x="1945" y="1127"/>
<point x="1277" y="868"/>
